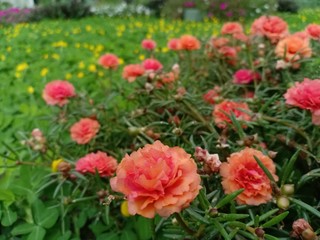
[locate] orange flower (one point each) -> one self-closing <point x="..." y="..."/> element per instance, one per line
<point x="231" y="28"/>
<point x="242" y="171"/>
<point x="314" y="31"/>
<point x="219" y="42"/>
<point x="293" y="48"/>
<point x="157" y="179"/>
<point x="83" y="131"/>
<point x="222" y="111"/>
<point x="58" y="92"/>
<point x="98" y="162"/>
<point x="109" y="61"/>
<point x="189" y="43"/>
<point x="272" y="27"/>
<point x="229" y="54"/>
<point x="132" y="71"/>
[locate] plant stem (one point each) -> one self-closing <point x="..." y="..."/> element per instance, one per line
<point x="183" y="224"/>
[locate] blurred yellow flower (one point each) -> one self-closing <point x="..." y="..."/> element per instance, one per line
<point x="141" y="57"/>
<point x="55" y="164"/>
<point x="55" y="56"/>
<point x="68" y="76"/>
<point x="121" y="61"/>
<point x="92" y="68"/>
<point x="30" y="90"/>
<point x="77" y="45"/>
<point x="3" y="58"/>
<point x="18" y="75"/>
<point x="164" y="49"/>
<point x="46" y="56"/>
<point x="88" y="28"/>
<point x="80" y="75"/>
<point x="100" y="74"/>
<point x="44" y="72"/>
<point x="81" y="65"/>
<point x="9" y="49"/>
<point x="124" y="209"/>
<point x="59" y="44"/>
<point x="21" y="67"/>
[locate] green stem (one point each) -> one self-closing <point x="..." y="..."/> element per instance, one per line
<point x="183" y="224"/>
<point x="203" y="200"/>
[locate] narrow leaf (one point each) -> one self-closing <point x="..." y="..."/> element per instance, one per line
<point x="229" y="198"/>
<point x="196" y="215"/>
<point x="287" y="169"/>
<point x="269" y="237"/>
<point x="221" y="229"/>
<point x="306" y="206"/>
<point x="264" y="216"/>
<point x="265" y="170"/>
<point x="275" y="220"/>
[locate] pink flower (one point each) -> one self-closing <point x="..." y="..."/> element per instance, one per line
<point x="219" y="42"/>
<point x="229" y="54"/>
<point x="244" y="76"/>
<point x="314" y="31"/>
<point x="98" y="162"/>
<point x="271" y="27"/>
<point x="306" y="95"/>
<point x="174" y="44"/>
<point x="83" y="131"/>
<point x="58" y="92"/>
<point x="151" y="64"/>
<point x="148" y="44"/>
<point x="132" y="71"/>
<point x="212" y="95"/>
<point x="157" y="179"/>
<point x="242" y="171"/>
<point x="109" y="61"/>
<point x="303" y="35"/>
<point x="223" y="110"/>
<point x="189" y="43"/>
<point x="169" y="77"/>
<point x="231" y="28"/>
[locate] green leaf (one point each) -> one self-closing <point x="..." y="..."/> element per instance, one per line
<point x="37" y="233"/>
<point x="22" y="229"/>
<point x="44" y="217"/>
<point x="237" y="124"/>
<point x="66" y="236"/>
<point x="7" y="197"/>
<point x="143" y="227"/>
<point x="109" y="236"/>
<point x="306" y="206"/>
<point x="264" y="216"/>
<point x="275" y="220"/>
<point x="269" y="237"/>
<point x="231" y="216"/>
<point x="237" y="224"/>
<point x="265" y="170"/>
<point x="128" y="235"/>
<point x="221" y="229"/>
<point x="9" y="217"/>
<point x="227" y="199"/>
<point x="308" y="176"/>
<point x="288" y="168"/>
<point x="196" y="215"/>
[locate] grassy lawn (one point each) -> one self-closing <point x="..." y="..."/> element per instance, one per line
<point x="34" y="54"/>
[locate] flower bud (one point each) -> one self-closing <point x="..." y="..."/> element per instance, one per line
<point x="302" y="229"/>
<point x="309" y="234"/>
<point x="287" y="189"/>
<point x="259" y="232"/>
<point x="177" y="131"/>
<point x="64" y="167"/>
<point x="283" y="202"/>
<point x="213" y="212"/>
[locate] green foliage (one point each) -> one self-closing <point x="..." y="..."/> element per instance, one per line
<point x="288" y="6"/>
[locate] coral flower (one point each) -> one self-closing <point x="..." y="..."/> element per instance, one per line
<point x="223" y="110"/>
<point x="132" y="71"/>
<point x="306" y="95"/>
<point x="242" y="171"/>
<point x="83" y="131"/>
<point x="314" y="31"/>
<point x="272" y="27"/>
<point x="157" y="179"/>
<point x="109" y="61"/>
<point x="212" y="95"/>
<point x="229" y="54"/>
<point x="293" y="48"/>
<point x="231" y="28"/>
<point x="244" y="76"/>
<point x="151" y="64"/>
<point x="148" y="44"/>
<point x="189" y="43"/>
<point x="219" y="42"/>
<point x="174" y="44"/>
<point x="98" y="162"/>
<point x="58" y="92"/>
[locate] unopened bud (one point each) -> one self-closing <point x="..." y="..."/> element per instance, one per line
<point x="283" y="202"/>
<point x="308" y="234"/>
<point x="259" y="232"/>
<point x="287" y="189"/>
<point x="302" y="229"/>
<point x="272" y="154"/>
<point x="213" y="212"/>
<point x="64" y="167"/>
<point x="177" y="131"/>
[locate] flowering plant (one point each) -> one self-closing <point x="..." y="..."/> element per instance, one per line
<point x="170" y="159"/>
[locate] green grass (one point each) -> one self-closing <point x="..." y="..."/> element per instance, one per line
<point x="81" y="44"/>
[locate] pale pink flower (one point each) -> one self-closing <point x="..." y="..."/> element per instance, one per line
<point x="148" y="44"/>
<point x="84" y="130"/>
<point x="132" y="71"/>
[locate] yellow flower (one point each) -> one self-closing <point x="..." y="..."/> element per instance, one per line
<point x="30" y="90"/>
<point x="55" y="164"/>
<point x="18" y="75"/>
<point x="78" y="45"/>
<point x="124" y="209"/>
<point x="59" y="44"/>
<point x="44" y="72"/>
<point x="21" y="67"/>
<point x="46" y="56"/>
<point x="3" y="58"/>
<point x="68" y="76"/>
<point x="9" y="49"/>
<point x="80" y="75"/>
<point x="92" y="68"/>
<point x="88" y="28"/>
<point x="100" y="74"/>
<point x="164" y="49"/>
<point x="121" y="61"/>
<point x="141" y="57"/>
<point x="55" y="56"/>
<point x="81" y="65"/>
<point x="119" y="34"/>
